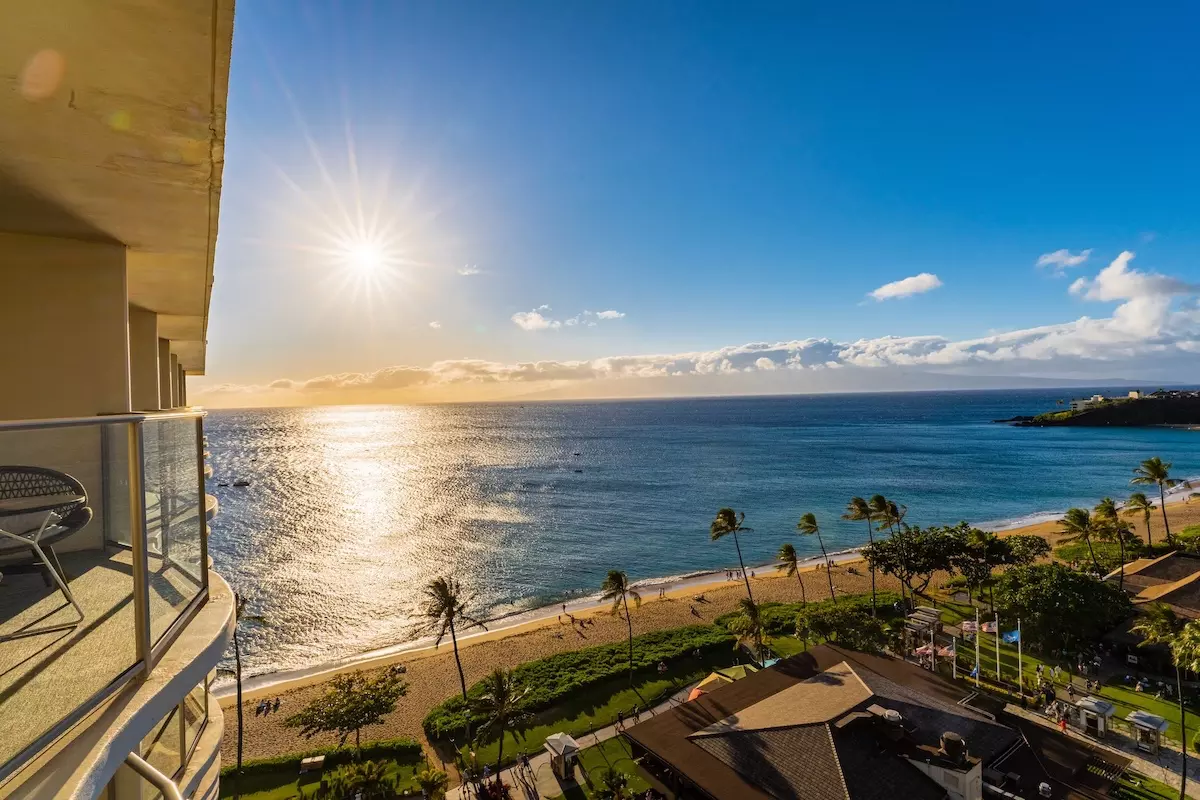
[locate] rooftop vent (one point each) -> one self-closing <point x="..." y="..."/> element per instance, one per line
<point x="954" y="747"/>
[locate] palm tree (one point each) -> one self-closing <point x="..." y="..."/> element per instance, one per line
<point x="858" y="509"/>
<point x="896" y="513"/>
<point x="1078" y="526"/>
<point x="790" y="562"/>
<point x="879" y="506"/>
<point x="239" y="616"/>
<point x="1111" y="528"/>
<point x="1154" y="471"/>
<point x="1138" y="503"/>
<point x="500" y="704"/>
<point x="1158" y="624"/>
<point x="617" y="589"/>
<point x="807" y="526"/>
<point x="747" y="625"/>
<point x="726" y="522"/>
<point x="433" y="783"/>
<point x="445" y="607"/>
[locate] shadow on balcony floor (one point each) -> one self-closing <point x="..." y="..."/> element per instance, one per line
<point x="45" y="675"/>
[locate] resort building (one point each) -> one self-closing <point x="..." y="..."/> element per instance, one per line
<point x="834" y="724"/>
<point x="1081" y="404"/>
<point x="112" y="132"/>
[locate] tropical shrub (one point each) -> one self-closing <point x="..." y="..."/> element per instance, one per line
<point x="1061" y="610"/>
<point x="779" y="619"/>
<point x="405" y="751"/>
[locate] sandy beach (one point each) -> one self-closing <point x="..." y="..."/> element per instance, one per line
<point x="432" y="676"/>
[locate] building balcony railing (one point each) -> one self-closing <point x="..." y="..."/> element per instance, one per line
<point x="103" y="561"/>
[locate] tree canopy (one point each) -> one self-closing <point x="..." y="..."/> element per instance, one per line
<point x="1061" y="610"/>
<point x="913" y="554"/>
<point x="350" y="703"/>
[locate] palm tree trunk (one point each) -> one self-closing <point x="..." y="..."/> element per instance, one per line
<point x="799" y="578"/>
<point x="1095" y="563"/>
<point x="1149" y="540"/>
<point x="745" y="576"/>
<point x="629" y="624"/>
<point x="237" y="661"/>
<point x="828" y="572"/>
<point x="358" y="744"/>
<point x="871" y="539"/>
<point x="462" y="679"/>
<point x="500" y="753"/>
<point x="1162" y="503"/>
<point x="1183" y="731"/>
<point x="1121" y="548"/>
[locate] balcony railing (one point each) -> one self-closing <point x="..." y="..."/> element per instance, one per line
<point x="121" y="568"/>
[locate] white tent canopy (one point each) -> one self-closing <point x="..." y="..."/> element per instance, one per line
<point x="560" y="744"/>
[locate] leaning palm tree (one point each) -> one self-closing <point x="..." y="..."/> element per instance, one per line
<point x="790" y="563"/>
<point x="446" y="608"/>
<point x="747" y="625"/>
<point x="1157" y="624"/>
<point x="1078" y="526"/>
<point x="807" y="526"/>
<point x="880" y="508"/>
<point x="239" y="616"/>
<point x="1154" y="471"/>
<point x="859" y="509"/>
<point x="500" y="703"/>
<point x="896" y="513"/>
<point x="1138" y="503"/>
<point x="728" y="522"/>
<point x="616" y="588"/>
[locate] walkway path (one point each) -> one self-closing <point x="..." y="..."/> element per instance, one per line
<point x="538" y="782"/>
<point x="1164" y="767"/>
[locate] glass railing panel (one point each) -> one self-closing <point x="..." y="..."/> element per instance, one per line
<point x="174" y="518"/>
<point x="70" y="483"/>
<point x="161" y="747"/>
<point x="195" y="715"/>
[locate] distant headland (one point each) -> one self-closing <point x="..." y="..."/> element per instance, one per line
<point x="1164" y="407"/>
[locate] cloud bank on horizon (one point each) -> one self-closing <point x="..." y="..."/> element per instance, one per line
<point x="1155" y="326"/>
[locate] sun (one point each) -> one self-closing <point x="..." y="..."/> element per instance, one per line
<point x="365" y="257"/>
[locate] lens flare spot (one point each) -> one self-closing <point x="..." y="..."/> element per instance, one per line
<point x="42" y="74"/>
<point x="120" y="121"/>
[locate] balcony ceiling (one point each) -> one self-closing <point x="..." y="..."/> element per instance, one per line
<point x="112" y="128"/>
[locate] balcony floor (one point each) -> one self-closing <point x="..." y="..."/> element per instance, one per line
<point x="46" y="675"/>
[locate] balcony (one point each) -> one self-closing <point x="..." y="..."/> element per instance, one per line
<point x="125" y="570"/>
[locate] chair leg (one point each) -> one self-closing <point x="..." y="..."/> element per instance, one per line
<point x="60" y="580"/>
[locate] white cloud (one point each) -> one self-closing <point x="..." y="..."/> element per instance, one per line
<point x="1060" y="260"/>
<point x="537" y="321"/>
<point x="468" y="270"/>
<point x="534" y="320"/>
<point x="435" y="324"/>
<point x="906" y="287"/>
<point x="1154" y="329"/>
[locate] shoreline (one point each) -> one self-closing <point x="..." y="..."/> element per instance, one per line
<point x="257" y="686"/>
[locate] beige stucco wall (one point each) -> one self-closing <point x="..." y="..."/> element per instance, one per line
<point x="65" y="319"/>
<point x="166" y="378"/>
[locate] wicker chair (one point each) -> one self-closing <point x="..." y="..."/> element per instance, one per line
<point x="59" y="521"/>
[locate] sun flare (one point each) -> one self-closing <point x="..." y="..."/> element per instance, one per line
<point x="365" y="257"/>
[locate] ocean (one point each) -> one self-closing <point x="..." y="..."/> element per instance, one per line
<point x="352" y="509"/>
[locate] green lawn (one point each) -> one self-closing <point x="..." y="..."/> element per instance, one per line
<point x="286" y="784"/>
<point x="785" y="646"/>
<point x="611" y="753"/>
<point x="1133" y="786"/>
<point x="597" y="707"/>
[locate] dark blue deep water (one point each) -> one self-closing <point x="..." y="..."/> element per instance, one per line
<point x="352" y="509"/>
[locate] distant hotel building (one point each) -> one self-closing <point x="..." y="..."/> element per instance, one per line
<point x="112" y="134"/>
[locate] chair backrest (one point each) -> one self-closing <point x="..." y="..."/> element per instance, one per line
<point x="20" y="481"/>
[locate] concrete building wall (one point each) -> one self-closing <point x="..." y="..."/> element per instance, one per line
<point x="143" y="359"/>
<point x="66" y="323"/>
<point x="166" y="378"/>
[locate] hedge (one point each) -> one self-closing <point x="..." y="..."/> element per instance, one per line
<point x="551" y="679"/>
<point x="394" y="749"/>
<point x="779" y="619"/>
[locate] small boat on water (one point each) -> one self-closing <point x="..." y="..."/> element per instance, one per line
<point x="241" y="482"/>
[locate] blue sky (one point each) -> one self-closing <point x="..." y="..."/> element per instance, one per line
<point x="719" y="174"/>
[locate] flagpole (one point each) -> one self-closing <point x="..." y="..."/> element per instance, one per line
<point x="978" y="633"/>
<point x="997" y="647"/>
<point x="1020" y="664"/>
<point x="954" y="659"/>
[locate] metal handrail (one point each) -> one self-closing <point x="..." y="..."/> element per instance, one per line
<point x="102" y="419"/>
<point x="157" y="779"/>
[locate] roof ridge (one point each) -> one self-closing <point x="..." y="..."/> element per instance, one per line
<point x="837" y="760"/>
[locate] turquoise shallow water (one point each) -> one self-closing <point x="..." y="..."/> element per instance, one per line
<point x="352" y="509"/>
